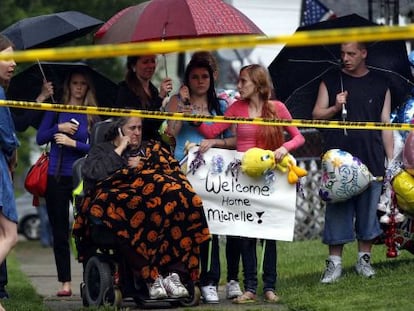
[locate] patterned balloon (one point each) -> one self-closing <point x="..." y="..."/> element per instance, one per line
<point x="408" y="153"/>
<point x="343" y="176"/>
<point x="403" y="185"/>
<point x="404" y="114"/>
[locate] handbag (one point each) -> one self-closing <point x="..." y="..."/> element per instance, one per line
<point x="36" y="179"/>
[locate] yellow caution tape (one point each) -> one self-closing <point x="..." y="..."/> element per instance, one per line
<point x="302" y="38"/>
<point x="195" y="117"/>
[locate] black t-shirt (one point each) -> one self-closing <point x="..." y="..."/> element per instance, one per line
<point x="365" y="102"/>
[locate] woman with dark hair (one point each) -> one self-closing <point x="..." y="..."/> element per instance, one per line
<point x="255" y="90"/>
<point x="197" y="96"/>
<point x="68" y="134"/>
<point x="139" y="192"/>
<point x="138" y="92"/>
<point x="8" y="159"/>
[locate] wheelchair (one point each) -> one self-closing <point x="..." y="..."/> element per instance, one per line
<point x="107" y="277"/>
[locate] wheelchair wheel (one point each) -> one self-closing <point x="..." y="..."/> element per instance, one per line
<point x="98" y="289"/>
<point x="194" y="299"/>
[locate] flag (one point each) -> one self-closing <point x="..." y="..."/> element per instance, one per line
<point x="313" y="11"/>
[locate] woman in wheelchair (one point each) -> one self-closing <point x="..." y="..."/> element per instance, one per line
<point x="137" y="190"/>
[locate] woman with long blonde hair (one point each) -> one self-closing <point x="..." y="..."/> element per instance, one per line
<point x="68" y="135"/>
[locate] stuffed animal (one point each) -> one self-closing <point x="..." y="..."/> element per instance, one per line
<point x="288" y="165"/>
<point x="257" y="162"/>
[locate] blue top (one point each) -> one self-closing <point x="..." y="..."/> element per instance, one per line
<point x="189" y="133"/>
<point x="45" y="134"/>
<point x="8" y="143"/>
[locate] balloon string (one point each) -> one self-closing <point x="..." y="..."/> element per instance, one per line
<point x="391" y="229"/>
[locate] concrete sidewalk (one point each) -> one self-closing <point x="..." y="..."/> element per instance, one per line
<point x="38" y="264"/>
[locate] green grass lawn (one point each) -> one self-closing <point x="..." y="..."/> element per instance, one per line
<point x="24" y="296"/>
<point x="300" y="265"/>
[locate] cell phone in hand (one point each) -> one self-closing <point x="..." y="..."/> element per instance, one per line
<point x="121" y="134"/>
<point x="74" y="121"/>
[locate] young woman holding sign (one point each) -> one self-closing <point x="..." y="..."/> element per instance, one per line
<point x="198" y="96"/>
<point x="254" y="86"/>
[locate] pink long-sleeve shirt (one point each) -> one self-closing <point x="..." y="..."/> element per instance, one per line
<point x="246" y="133"/>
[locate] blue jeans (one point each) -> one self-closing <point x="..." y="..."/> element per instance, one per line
<point x="354" y="218"/>
<point x="249" y="258"/>
<point x="233" y="253"/>
<point x="210" y="275"/>
<point x="46" y="236"/>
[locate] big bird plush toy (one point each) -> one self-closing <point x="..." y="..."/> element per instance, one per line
<point x="257" y="162"/>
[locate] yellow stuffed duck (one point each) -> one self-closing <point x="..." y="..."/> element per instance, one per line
<point x="257" y="162"/>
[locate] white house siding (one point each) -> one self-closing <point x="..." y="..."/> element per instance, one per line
<point x="273" y="17"/>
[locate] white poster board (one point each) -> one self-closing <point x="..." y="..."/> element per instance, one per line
<point x="243" y="206"/>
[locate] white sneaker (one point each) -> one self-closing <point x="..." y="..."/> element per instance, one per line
<point x="364" y="268"/>
<point x="156" y="290"/>
<point x="209" y="294"/>
<point x="233" y="289"/>
<point x="332" y="272"/>
<point x="174" y="287"/>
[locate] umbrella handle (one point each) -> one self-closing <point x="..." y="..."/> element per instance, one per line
<point x="344" y="111"/>
<point x="44" y="78"/>
<point x="165" y="64"/>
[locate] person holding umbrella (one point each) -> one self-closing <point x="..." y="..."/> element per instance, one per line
<point x="138" y="92"/>
<point x="356" y="94"/>
<point x="68" y="134"/>
<point x="8" y="159"/>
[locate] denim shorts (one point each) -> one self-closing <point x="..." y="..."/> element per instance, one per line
<point x="354" y="218"/>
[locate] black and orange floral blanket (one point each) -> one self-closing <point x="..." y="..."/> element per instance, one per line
<point x="154" y="208"/>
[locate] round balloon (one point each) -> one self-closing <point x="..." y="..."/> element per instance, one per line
<point x="404" y="114"/>
<point x="403" y="185"/>
<point x="408" y="153"/>
<point x="343" y="176"/>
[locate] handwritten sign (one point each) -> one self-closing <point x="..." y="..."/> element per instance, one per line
<point x="241" y="205"/>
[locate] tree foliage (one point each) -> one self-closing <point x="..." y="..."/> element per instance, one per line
<point x="15" y="10"/>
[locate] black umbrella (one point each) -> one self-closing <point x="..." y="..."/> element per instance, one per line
<point x="296" y="71"/>
<point x="50" y="30"/>
<point x="27" y="84"/>
<point x="39" y="32"/>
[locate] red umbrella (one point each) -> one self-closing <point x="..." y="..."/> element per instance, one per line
<point x="172" y="19"/>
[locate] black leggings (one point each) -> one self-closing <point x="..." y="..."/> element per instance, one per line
<point x="58" y="196"/>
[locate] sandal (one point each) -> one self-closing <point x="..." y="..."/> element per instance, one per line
<point x="246" y="297"/>
<point x="271" y="297"/>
